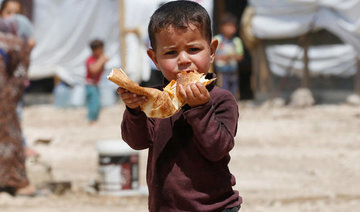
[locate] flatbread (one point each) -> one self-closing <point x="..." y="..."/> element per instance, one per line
<point x="160" y="104"/>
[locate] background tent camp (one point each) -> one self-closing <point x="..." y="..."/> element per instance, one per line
<point x="63" y="30"/>
<point x="326" y="32"/>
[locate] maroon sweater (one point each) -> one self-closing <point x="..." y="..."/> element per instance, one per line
<point x="188" y="157"/>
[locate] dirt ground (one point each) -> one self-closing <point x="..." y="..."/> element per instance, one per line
<point x="285" y="159"/>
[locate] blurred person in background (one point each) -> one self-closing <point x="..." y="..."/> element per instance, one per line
<point x="229" y="53"/>
<point x="14" y="62"/>
<point x="9" y="8"/>
<point x="94" y="69"/>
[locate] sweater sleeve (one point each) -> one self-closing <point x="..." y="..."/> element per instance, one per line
<point x="137" y="130"/>
<point x="214" y="126"/>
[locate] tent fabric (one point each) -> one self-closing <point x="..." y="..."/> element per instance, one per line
<point x="275" y="19"/>
<point x="63" y="44"/>
<point x="64" y="28"/>
<point x="278" y="19"/>
<point x="325" y="60"/>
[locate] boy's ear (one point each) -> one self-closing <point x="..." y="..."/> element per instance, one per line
<point x="152" y="55"/>
<point x="213" y="46"/>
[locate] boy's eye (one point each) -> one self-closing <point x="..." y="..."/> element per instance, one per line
<point x="170" y="53"/>
<point x="194" y="49"/>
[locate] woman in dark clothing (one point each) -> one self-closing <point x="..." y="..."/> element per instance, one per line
<point x="14" y="62"/>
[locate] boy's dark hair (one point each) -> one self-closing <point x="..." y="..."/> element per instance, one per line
<point x="179" y="14"/>
<point x="95" y="44"/>
<point x="228" y="18"/>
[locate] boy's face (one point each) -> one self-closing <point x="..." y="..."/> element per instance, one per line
<point x="228" y="30"/>
<point x="11" y="8"/>
<point x="182" y="49"/>
<point x="98" y="52"/>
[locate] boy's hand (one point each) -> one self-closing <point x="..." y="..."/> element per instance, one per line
<point x="237" y="57"/>
<point x="131" y="100"/>
<point x="104" y="58"/>
<point x="194" y="94"/>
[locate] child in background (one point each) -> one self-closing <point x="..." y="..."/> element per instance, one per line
<point x="94" y="69"/>
<point x="229" y="53"/>
<point x="188" y="156"/>
<point x="9" y="8"/>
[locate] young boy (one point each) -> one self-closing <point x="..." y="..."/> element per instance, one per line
<point x="94" y="69"/>
<point x="229" y="53"/>
<point x="189" y="152"/>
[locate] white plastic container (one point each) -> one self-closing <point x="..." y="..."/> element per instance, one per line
<point x="118" y="167"/>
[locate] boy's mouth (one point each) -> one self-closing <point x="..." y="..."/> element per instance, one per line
<point x="188" y="70"/>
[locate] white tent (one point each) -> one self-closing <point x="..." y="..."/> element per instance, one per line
<point x="64" y="28"/>
<point x="278" y="19"/>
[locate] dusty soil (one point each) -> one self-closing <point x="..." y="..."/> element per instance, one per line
<point x="285" y="159"/>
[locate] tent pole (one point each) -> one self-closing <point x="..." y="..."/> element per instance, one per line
<point x="266" y="83"/>
<point x="357" y="78"/>
<point x="121" y="5"/>
<point x="305" y="78"/>
<point x="221" y="8"/>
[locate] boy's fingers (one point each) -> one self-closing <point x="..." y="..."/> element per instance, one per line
<point x="126" y="96"/>
<point x="195" y="90"/>
<point x="121" y="90"/>
<point x="133" y="106"/>
<point x="189" y="93"/>
<point x="132" y="99"/>
<point x="137" y="101"/>
<point x="201" y="88"/>
<point x="134" y="103"/>
<point x="182" y="91"/>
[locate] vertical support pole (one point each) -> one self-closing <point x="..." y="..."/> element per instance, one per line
<point x="255" y="76"/>
<point x="218" y="13"/>
<point x="305" y="77"/>
<point x="265" y="78"/>
<point x="357" y="78"/>
<point x="221" y="8"/>
<point x="121" y="5"/>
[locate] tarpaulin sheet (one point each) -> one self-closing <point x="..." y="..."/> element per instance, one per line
<point x="64" y="28"/>
<point x="277" y="19"/>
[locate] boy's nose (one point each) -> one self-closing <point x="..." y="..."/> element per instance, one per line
<point x="183" y="61"/>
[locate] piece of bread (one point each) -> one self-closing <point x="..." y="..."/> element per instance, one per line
<point x="160" y="104"/>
